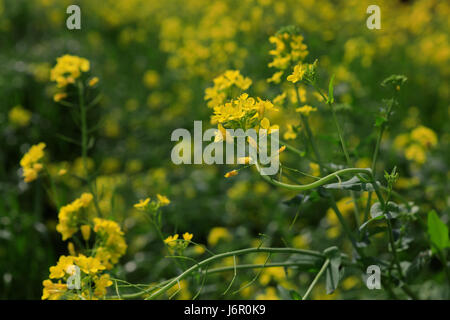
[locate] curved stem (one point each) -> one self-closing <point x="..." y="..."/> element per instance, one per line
<point x="207" y="261"/>
<point x="315" y="184"/>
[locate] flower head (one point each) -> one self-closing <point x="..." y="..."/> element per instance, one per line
<point x="30" y="162"/>
<point x="305" y="110"/>
<point x="187" y="236"/>
<point x="67" y="69"/>
<point x="163" y="200"/>
<point x="142" y="204"/>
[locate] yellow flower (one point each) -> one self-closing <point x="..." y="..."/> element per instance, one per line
<point x="92" y="82"/>
<point x="297" y="74"/>
<point x="29" y="162"/>
<point x="279" y="99"/>
<point x="53" y="291"/>
<point x="301" y="241"/>
<point x="364" y="163"/>
<point x="199" y="249"/>
<point x="19" y="116"/>
<point x="86" y="199"/>
<point x="151" y="78"/>
<point x="142" y="204"/>
<point x="276" y="77"/>
<point x="188" y="236"/>
<point x="401" y="141"/>
<point x="163" y="200"/>
<point x="231" y="174"/>
<point x="59" y="96"/>
<point x="216" y="234"/>
<point x="71" y="248"/>
<point x="60" y="270"/>
<point x="280" y="62"/>
<point x="265" y="124"/>
<point x="306" y="110"/>
<point x="406" y="183"/>
<point x="345" y="206"/>
<point x="101" y="284"/>
<point x="68" y="216"/>
<point x="171" y="240"/>
<point x="290" y="133"/>
<point x="315" y="169"/>
<point x="67" y="69"/>
<point x="114" y="245"/>
<point x="86" y="232"/>
<point x="416" y="153"/>
<point x="33" y="155"/>
<point x="424" y="136"/>
<point x="244" y="160"/>
<point x="89" y="265"/>
<point x="29" y="174"/>
<point x="62" y="172"/>
<point x="229" y="78"/>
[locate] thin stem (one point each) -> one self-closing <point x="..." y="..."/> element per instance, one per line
<point x="315" y="184"/>
<point x="318" y="275"/>
<point x="84" y="143"/>
<point x="308" y="131"/>
<point x="375" y="157"/>
<point x="83" y="126"/>
<point x="228" y="254"/>
<point x="344" y="148"/>
<point x="291" y="148"/>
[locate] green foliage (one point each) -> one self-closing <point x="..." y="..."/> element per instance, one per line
<point x="438" y="232"/>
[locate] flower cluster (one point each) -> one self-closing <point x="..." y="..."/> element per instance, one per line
<point x="289" y="49"/>
<point x="30" y="162"/>
<point x="223" y="84"/>
<point x="67" y="69"/>
<point x="19" y="116"/>
<point x="416" y="144"/>
<point x="86" y="272"/>
<point x="71" y="216"/>
<point x="179" y="244"/>
<point x="109" y="246"/>
<point x="111" y="242"/>
<point x="303" y="71"/>
<point x="244" y="112"/>
<point x="147" y="204"/>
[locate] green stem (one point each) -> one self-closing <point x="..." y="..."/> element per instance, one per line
<point x="291" y="148"/>
<point x="83" y="126"/>
<point x="390" y="232"/>
<point x="375" y="157"/>
<point x="344" y="148"/>
<point x="228" y="254"/>
<point x="317" y="277"/>
<point x="394" y="249"/>
<point x="315" y="184"/>
<point x="84" y="143"/>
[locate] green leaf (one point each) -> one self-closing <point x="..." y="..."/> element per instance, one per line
<point x="376" y="210"/>
<point x="354" y="184"/>
<point x="438" y="232"/>
<point x="370" y="220"/>
<point x="331" y="90"/>
<point x="391" y="211"/>
<point x="332" y="272"/>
